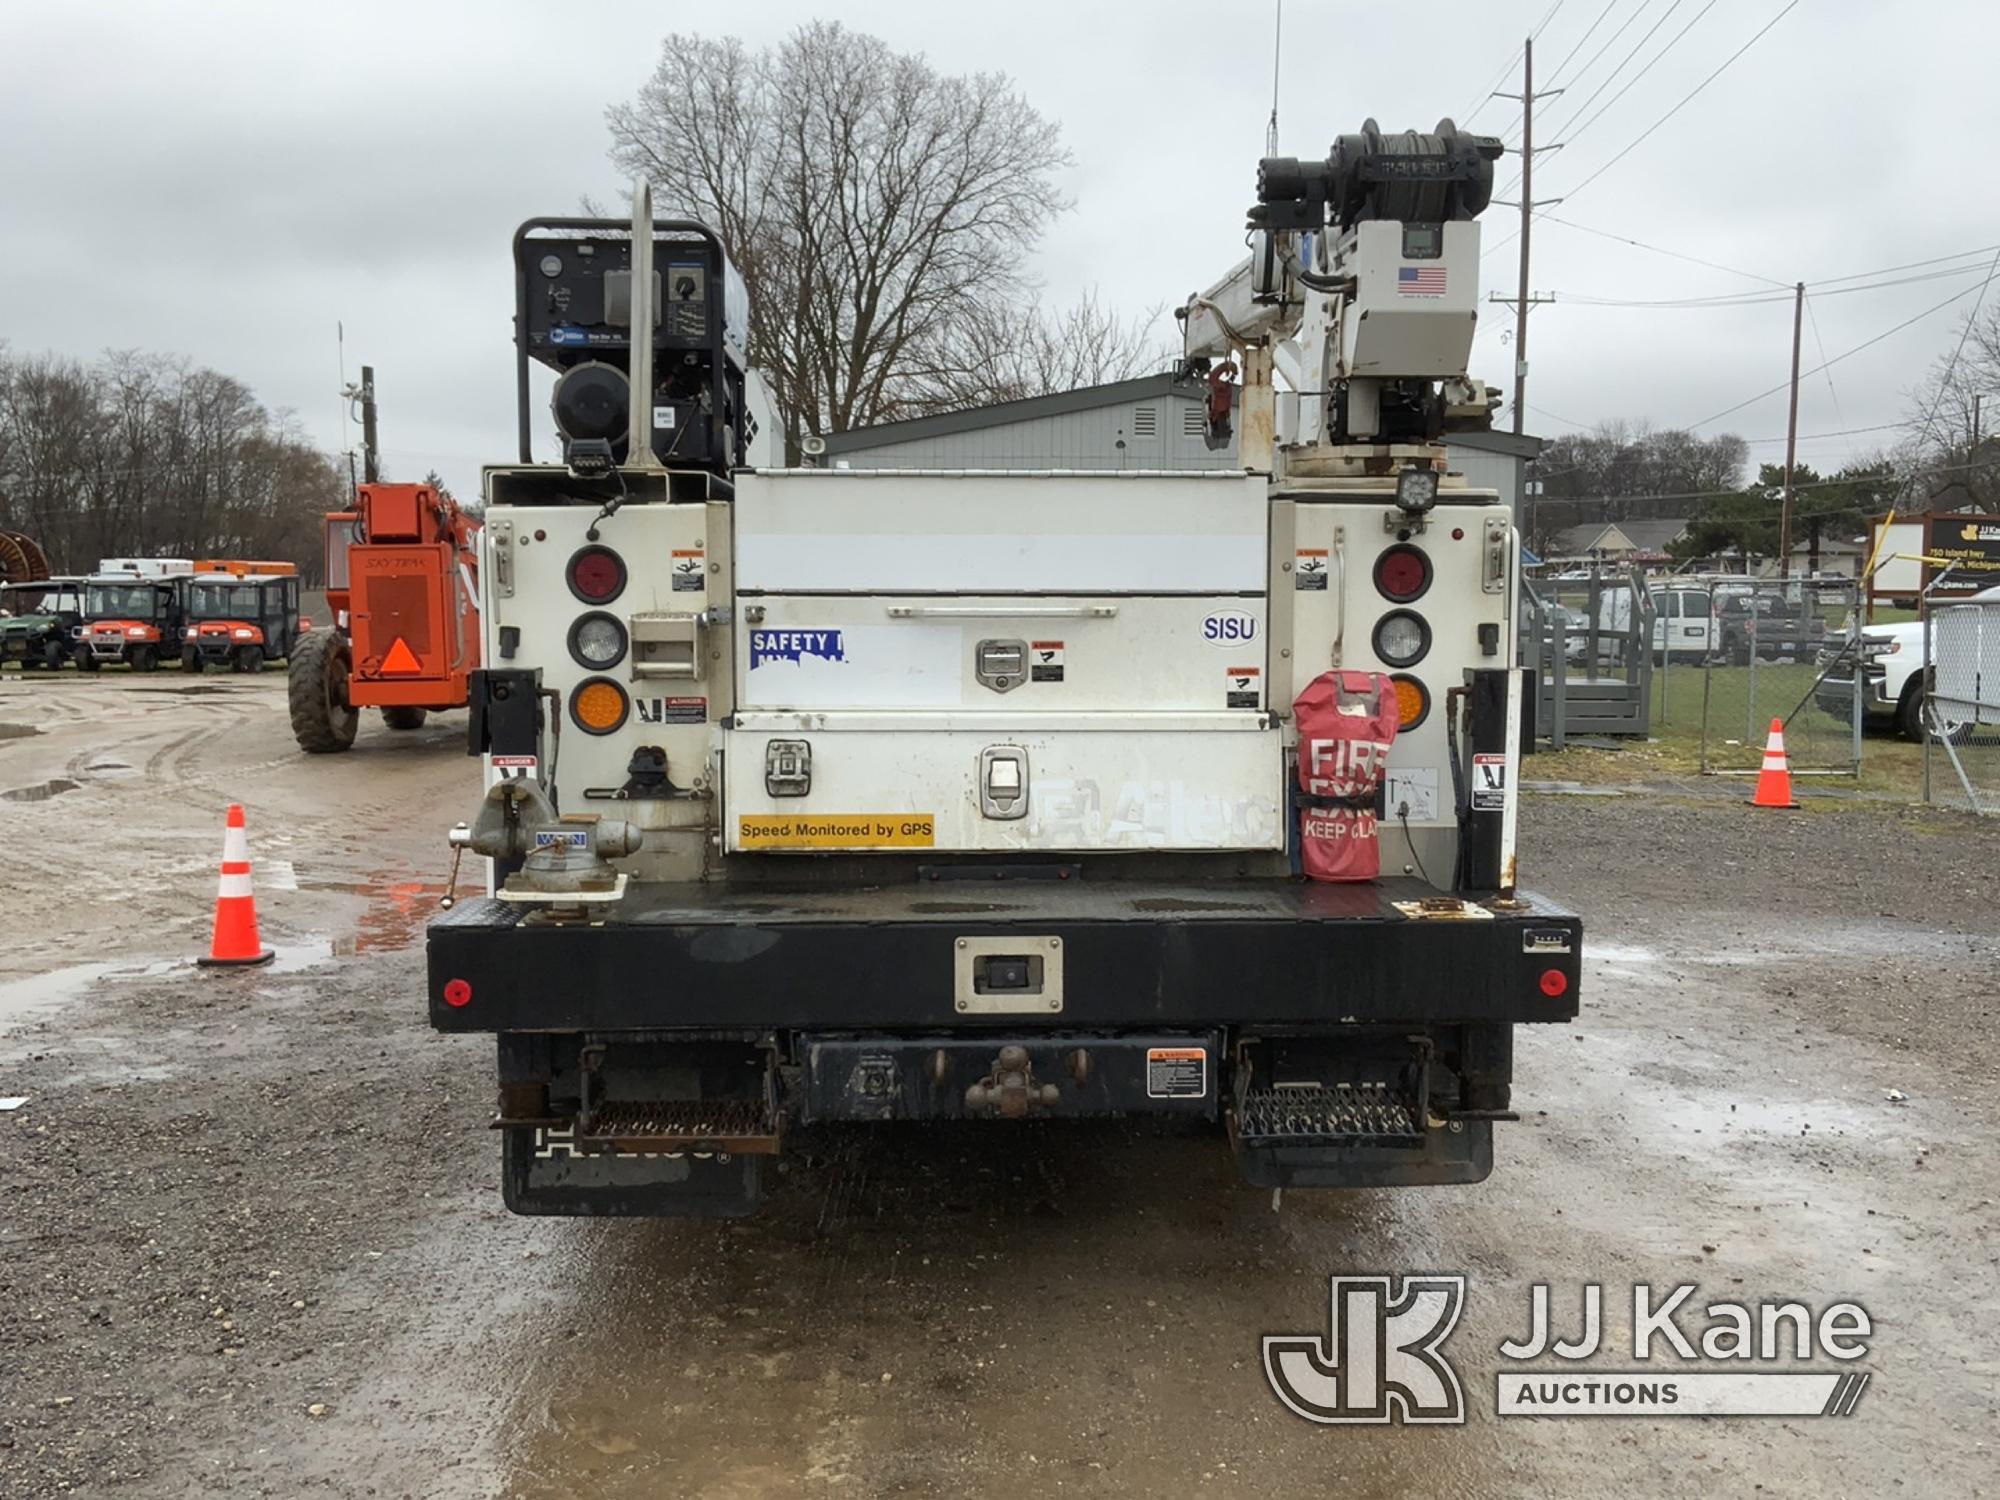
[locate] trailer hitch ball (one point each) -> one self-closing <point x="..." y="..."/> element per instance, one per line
<point x="1009" y="1089"/>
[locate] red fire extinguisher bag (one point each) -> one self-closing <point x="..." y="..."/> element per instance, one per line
<point x="1346" y="722"/>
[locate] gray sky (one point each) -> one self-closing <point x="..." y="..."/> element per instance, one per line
<point x="228" y="178"/>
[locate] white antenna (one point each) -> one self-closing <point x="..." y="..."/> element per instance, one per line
<point x="1277" y="40"/>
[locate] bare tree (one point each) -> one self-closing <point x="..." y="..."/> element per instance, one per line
<point x="1948" y="449"/>
<point x="877" y="208"/>
<point x="1013" y="353"/>
<point x="143" y="454"/>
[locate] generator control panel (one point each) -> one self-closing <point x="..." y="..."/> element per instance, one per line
<point x="574" y="314"/>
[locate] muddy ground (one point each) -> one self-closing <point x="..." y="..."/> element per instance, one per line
<point x="251" y="1243"/>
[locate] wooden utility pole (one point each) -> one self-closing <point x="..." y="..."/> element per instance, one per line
<point x="1522" y="301"/>
<point x="371" y="455"/>
<point x="1791" y="437"/>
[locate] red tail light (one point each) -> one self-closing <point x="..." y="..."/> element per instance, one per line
<point x="1403" y="573"/>
<point x="596" y="575"/>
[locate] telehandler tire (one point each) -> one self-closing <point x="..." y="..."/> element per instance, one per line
<point x="403" y="716"/>
<point x="323" y="721"/>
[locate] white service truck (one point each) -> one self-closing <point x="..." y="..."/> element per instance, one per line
<point x="820" y="796"/>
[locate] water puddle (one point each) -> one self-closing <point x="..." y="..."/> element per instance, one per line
<point x="37" y="994"/>
<point x="17" y="731"/>
<point x="395" y="912"/>
<point x="41" y="791"/>
<point x="108" y="770"/>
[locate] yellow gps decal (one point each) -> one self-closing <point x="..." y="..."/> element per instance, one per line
<point x="837" y="830"/>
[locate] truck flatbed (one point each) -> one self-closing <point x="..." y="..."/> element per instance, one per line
<point x="1134" y="952"/>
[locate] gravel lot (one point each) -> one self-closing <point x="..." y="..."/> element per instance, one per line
<point x="251" y="1240"/>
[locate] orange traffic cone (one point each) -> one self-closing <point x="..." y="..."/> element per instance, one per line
<point x="235" y="944"/>
<point x="1774" y="785"/>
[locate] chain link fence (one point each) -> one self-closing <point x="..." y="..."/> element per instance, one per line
<point x="1758" y="649"/>
<point x="1962" y="706"/>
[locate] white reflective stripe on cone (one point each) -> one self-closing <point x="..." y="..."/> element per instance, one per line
<point x="234" y="886"/>
<point x="235" y="845"/>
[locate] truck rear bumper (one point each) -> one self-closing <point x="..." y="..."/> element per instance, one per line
<point x="1133" y="954"/>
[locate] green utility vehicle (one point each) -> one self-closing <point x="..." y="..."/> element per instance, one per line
<point x="36" y="620"/>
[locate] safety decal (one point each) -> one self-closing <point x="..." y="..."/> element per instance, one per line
<point x="1309" y="570"/>
<point x="795" y="646"/>
<point x="1411" y="791"/>
<point x="1045" y="661"/>
<point x="515" y="767"/>
<point x="672" y="710"/>
<point x="1176" y="1072"/>
<point x="836" y="830"/>
<point x="690" y="570"/>
<point x="1489" y="783"/>
<point x="1242" y="686"/>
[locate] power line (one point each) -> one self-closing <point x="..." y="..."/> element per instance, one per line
<point x="1627" y="59"/>
<point x="1820" y="344"/>
<point x="1651" y="64"/>
<point x="1555" y="79"/>
<point x="1848" y="354"/>
<point x="1686" y="99"/>
<point x="1466" y="115"/>
<point x="1759" y="299"/>
<point x="1951" y="365"/>
<point x="1612" y="41"/>
<point x="1818" y="484"/>
<point x="1661" y="251"/>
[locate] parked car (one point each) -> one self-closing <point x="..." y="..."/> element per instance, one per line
<point x="1893" y="674"/>
<point x="1768" y="627"/>
<point x="1684" y="629"/>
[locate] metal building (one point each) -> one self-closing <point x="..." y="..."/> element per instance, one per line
<point x="1154" y="422"/>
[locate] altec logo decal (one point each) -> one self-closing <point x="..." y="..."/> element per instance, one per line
<point x="795" y="646"/>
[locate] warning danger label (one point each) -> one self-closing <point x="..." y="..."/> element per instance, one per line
<point x="836" y="830"/>
<point x="1045" y="661"/>
<point x="1489" y="783"/>
<point x="1241" y="691"/>
<point x="690" y="569"/>
<point x="1176" y="1073"/>
<point x="1309" y="569"/>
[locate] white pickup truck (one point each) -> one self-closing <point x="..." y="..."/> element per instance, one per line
<point x="1891" y="679"/>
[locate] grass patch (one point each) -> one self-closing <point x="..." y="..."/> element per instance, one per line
<point x="1740" y="707"/>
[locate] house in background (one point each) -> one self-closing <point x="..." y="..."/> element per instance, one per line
<point x="1616" y="543"/>
<point x="1153" y="422"/>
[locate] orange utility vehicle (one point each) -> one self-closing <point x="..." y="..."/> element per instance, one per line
<point x="239" y="614"/>
<point x="402" y="582"/>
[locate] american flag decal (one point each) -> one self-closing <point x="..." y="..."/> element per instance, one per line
<point x="1420" y="281"/>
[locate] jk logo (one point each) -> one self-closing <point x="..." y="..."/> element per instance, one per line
<point x="1381" y="1361"/>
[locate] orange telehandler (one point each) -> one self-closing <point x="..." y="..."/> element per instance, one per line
<point x="402" y="582"/>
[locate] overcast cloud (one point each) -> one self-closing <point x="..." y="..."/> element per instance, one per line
<point x="228" y="180"/>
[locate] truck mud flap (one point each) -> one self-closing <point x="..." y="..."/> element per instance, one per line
<point x="549" y="1170"/>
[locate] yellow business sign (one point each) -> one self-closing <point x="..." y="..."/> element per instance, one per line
<point x="836" y="830"/>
